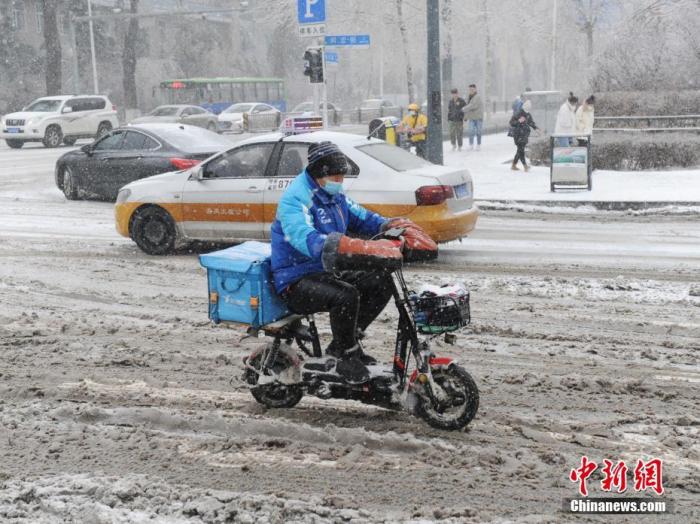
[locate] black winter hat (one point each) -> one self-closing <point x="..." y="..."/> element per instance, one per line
<point x="326" y="158"/>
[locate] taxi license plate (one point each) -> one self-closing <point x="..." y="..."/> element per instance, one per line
<point x="13" y="130"/>
<point x="461" y="191"/>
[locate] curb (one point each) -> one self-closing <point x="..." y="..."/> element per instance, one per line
<point x="596" y="204"/>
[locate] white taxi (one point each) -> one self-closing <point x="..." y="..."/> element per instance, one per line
<point x="233" y="195"/>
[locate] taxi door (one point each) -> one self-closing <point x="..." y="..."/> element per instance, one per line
<point x="226" y="203"/>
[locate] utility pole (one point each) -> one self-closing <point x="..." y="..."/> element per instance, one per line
<point x="74" y="61"/>
<point x="92" y="50"/>
<point x="553" y="67"/>
<point x="434" y="142"/>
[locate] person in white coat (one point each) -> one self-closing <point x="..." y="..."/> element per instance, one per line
<point x="584" y="118"/>
<point x="566" y="121"/>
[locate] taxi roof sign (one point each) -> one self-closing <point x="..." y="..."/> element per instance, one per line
<point x="296" y="125"/>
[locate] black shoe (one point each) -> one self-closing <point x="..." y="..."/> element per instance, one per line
<point x="351" y="368"/>
<point x="333" y="351"/>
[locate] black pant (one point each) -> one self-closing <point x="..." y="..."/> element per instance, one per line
<point x="353" y="299"/>
<point x="520" y="153"/>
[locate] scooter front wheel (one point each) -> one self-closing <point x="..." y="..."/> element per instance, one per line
<point x="462" y="395"/>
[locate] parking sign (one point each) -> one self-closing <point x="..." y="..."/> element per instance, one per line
<point x="311" y="11"/>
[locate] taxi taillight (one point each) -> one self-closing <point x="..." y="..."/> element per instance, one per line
<point x="433" y="195"/>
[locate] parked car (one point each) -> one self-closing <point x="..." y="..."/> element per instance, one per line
<point x="59" y="119"/>
<point x="232" y="119"/>
<point x="233" y="196"/>
<point x="335" y="116"/>
<point x="380" y="107"/>
<point x="98" y="170"/>
<point x="180" y="114"/>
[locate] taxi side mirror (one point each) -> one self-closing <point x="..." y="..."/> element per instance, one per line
<point x="198" y="173"/>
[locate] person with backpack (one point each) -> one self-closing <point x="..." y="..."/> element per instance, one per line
<point x="455" y="116"/>
<point x="520" y="125"/>
<point x="415" y="125"/>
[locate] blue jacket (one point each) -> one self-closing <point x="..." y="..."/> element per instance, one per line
<point x="306" y="214"/>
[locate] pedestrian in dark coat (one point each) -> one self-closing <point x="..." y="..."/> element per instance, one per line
<point x="520" y="125"/>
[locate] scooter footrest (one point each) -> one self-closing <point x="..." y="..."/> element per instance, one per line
<point x="319" y="364"/>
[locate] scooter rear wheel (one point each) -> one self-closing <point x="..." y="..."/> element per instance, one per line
<point x="463" y="394"/>
<point x="273" y="395"/>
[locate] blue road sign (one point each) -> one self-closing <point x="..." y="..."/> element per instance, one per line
<point x="331" y="57"/>
<point x="347" y="41"/>
<point x="311" y="11"/>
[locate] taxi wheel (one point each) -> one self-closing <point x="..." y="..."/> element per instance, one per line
<point x="53" y="136"/>
<point x="153" y="230"/>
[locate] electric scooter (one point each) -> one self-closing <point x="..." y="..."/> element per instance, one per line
<point x="436" y="389"/>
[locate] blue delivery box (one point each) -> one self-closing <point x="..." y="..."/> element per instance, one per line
<point x="241" y="287"/>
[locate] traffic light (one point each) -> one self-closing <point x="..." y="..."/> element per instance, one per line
<point x="313" y="64"/>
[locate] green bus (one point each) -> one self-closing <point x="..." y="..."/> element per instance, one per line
<point x="216" y="94"/>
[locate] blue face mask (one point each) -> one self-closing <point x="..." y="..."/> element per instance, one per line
<point x="333" y="188"/>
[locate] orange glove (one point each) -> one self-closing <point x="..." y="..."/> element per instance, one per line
<point x="416" y="239"/>
<point x="341" y="252"/>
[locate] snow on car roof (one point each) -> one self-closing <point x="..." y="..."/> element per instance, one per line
<point x="347" y="139"/>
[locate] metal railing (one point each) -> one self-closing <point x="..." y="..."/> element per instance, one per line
<point x="648" y="123"/>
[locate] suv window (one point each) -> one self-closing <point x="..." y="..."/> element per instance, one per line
<point x="96" y="103"/>
<point x="110" y="142"/>
<point x="243" y="162"/>
<point x="138" y="141"/>
<point x="79" y="104"/>
<point x="197" y="111"/>
<point x="294" y="159"/>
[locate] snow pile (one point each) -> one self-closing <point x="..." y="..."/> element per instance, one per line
<point x="140" y="499"/>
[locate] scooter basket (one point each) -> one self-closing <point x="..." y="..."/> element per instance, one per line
<point x="441" y="313"/>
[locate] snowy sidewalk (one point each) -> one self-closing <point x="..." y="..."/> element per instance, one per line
<point x="495" y="182"/>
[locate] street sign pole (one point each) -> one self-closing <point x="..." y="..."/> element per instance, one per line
<point x="434" y="142"/>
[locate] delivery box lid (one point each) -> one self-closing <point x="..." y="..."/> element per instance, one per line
<point x="237" y="258"/>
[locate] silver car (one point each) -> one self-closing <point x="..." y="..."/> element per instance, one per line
<point x="180" y="114"/>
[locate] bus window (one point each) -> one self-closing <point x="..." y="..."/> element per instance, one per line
<point x="273" y="91"/>
<point x="263" y="95"/>
<point x="249" y="92"/>
<point x="238" y="94"/>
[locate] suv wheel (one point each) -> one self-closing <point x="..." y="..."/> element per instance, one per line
<point x="14" y="144"/>
<point x="53" y="136"/>
<point x="153" y="230"/>
<point x="103" y="129"/>
<point x="69" y="141"/>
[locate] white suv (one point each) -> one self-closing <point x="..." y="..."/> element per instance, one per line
<point x="56" y="119"/>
